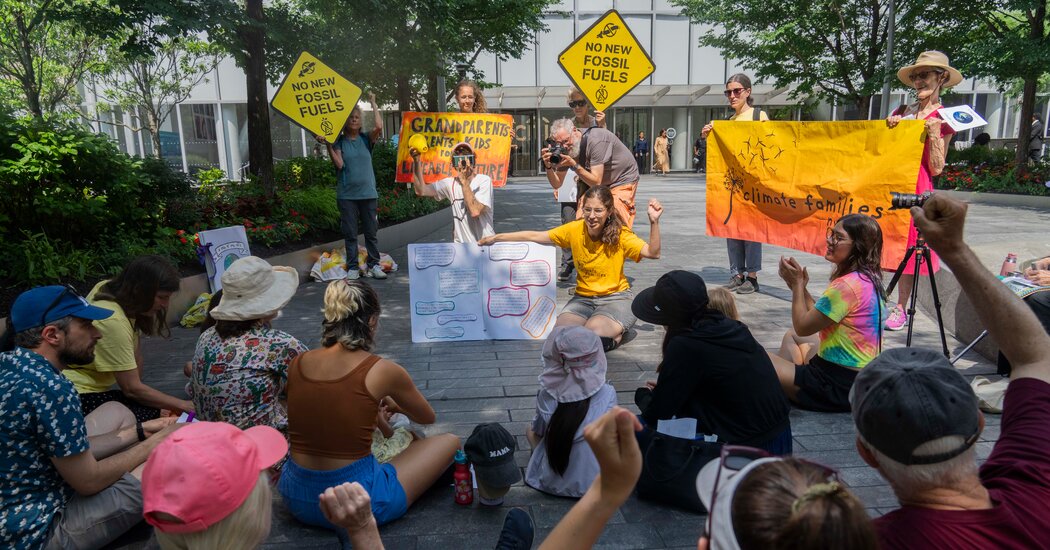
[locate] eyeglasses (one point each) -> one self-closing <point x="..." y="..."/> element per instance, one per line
<point x="733" y="92"/>
<point x="924" y="74"/>
<point x="736" y="458"/>
<point x="68" y="290"/>
<point x="578" y="103"/>
<point x="834" y="238"/>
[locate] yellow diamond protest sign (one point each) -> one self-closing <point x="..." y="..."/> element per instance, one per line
<point x="606" y="61"/>
<point x="316" y="97"/>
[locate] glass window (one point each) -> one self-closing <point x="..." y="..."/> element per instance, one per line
<point x="286" y="136"/>
<point x="199" y="137"/>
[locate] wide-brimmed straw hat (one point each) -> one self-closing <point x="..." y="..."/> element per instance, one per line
<point x="935" y="59"/>
<point x="254" y="289"/>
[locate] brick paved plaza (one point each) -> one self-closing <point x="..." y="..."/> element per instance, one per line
<point x="473" y="382"/>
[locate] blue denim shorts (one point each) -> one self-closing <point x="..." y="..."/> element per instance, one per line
<point x="301" y="487"/>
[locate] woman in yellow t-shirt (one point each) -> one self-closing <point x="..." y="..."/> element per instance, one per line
<point x="600" y="243"/>
<point x="745" y="257"/>
<point x="139" y="297"/>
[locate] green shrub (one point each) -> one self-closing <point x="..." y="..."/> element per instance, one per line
<point x="316" y="204"/>
<point x="384" y="162"/>
<point x="980" y="156"/>
<point x="302" y="172"/>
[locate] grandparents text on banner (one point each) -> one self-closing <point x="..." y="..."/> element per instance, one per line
<point x="786" y="183"/>
<point x="488" y="134"/>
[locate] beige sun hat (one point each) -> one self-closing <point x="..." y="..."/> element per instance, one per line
<point x="931" y="58"/>
<point x="254" y="289"/>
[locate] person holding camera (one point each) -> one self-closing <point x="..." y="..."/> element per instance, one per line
<point x="597" y="157"/>
<point x="469" y="192"/>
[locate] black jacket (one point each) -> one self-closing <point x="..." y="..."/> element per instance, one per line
<point x="718" y="373"/>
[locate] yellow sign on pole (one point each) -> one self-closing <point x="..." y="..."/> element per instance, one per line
<point x="606" y="61"/>
<point x="316" y="97"/>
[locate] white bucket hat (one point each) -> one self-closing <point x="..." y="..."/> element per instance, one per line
<point x="254" y="289"/>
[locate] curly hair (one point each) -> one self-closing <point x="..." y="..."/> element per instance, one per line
<point x="613" y="225"/>
<point x="350" y="307"/>
<point x="865" y="256"/>
<point x="479" y="98"/>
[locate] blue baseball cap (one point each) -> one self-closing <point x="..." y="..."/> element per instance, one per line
<point x="45" y="304"/>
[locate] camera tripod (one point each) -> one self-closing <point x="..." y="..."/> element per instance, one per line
<point x="920" y="253"/>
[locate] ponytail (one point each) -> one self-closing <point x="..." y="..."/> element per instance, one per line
<point x="561" y="433"/>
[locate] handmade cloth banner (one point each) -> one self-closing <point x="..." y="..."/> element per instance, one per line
<point x="786" y="183"/>
<point x="488" y="134"/>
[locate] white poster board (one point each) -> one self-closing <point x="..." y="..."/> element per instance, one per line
<point x="223" y="246"/>
<point x="961" y="118"/>
<point x="460" y="291"/>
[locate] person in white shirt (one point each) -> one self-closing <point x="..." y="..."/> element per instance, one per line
<point x="469" y="192"/>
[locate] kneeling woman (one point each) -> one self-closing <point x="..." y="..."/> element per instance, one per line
<point x="600" y="243"/>
<point x="334" y="396"/>
<point x="848" y="318"/>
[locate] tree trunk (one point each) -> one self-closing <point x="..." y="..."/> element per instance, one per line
<point x="260" y="146"/>
<point x="1025" y="124"/>
<point x="432" y="90"/>
<point x="404" y="93"/>
<point x="153" y="123"/>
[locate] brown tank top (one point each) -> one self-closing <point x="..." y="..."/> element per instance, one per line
<point x="331" y="418"/>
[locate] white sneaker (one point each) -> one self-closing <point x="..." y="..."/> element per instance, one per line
<point x="353" y="274"/>
<point x="376" y="272"/>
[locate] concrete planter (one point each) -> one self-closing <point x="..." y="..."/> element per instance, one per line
<point x="999" y="199"/>
<point x="390" y="238"/>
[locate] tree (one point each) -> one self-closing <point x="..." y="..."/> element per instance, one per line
<point x="832" y="49"/>
<point x="157" y="82"/>
<point x="398" y="49"/>
<point x="44" y="53"/>
<point x="1005" y="40"/>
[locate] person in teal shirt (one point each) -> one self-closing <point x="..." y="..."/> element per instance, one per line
<point x="356" y="192"/>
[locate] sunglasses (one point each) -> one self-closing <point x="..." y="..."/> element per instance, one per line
<point x="924" y="75"/>
<point x="67" y="291"/>
<point x="733" y="92"/>
<point x="578" y="103"/>
<point x="736" y="458"/>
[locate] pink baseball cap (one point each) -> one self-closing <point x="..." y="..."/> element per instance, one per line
<point x="202" y="472"/>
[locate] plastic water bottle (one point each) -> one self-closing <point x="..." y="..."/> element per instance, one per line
<point x="463" y="480"/>
<point x="1009" y="265"/>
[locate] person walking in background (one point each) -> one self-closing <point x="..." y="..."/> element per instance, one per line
<point x="356" y="193"/>
<point x="745" y="257"/>
<point x="929" y="76"/>
<point x="661" y="162"/>
<point x="1035" y="138"/>
<point x="641" y="153"/>
<point x="700" y="154"/>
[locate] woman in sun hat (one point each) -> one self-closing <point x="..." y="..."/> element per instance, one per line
<point x="929" y="76"/>
<point x="573" y="394"/>
<point x="239" y="369"/>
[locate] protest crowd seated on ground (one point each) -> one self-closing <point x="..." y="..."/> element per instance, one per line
<point x="329" y="431"/>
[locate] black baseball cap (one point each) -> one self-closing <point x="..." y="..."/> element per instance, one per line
<point x="677" y="297"/>
<point x="908" y="397"/>
<point x="490" y="448"/>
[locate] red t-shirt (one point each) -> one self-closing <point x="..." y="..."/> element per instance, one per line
<point x="1017" y="476"/>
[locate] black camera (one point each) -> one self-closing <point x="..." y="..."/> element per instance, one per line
<point x="908" y="200"/>
<point x="556" y="150"/>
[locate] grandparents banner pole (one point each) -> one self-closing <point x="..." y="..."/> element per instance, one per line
<point x="786" y="183"/>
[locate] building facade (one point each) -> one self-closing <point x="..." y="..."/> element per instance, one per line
<point x="684" y="92"/>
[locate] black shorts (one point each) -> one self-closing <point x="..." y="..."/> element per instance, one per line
<point x="824" y="386"/>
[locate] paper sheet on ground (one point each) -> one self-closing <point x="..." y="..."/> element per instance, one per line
<point x="468" y="292"/>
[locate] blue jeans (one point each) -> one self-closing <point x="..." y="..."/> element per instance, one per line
<point x="744" y="256"/>
<point x="364" y="211"/>
<point x="300" y="488"/>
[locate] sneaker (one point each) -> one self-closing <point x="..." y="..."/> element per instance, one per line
<point x="376" y="272"/>
<point x="609" y="344"/>
<point x="518" y="531"/>
<point x="565" y="273"/>
<point x="898" y="318"/>
<point x="353" y="274"/>
<point x="749" y="286"/>
<point x="735" y="281"/>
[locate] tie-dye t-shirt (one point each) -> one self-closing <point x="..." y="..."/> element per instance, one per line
<point x="853" y="304"/>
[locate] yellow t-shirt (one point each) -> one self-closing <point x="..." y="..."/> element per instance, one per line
<point x="115" y="352"/>
<point x="599" y="267"/>
<point x="748" y="115"/>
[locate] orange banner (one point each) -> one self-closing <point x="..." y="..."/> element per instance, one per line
<point x="489" y="134"/>
<point x="786" y="183"/>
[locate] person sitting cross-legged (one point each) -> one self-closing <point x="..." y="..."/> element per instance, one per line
<point x="66" y="481"/>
